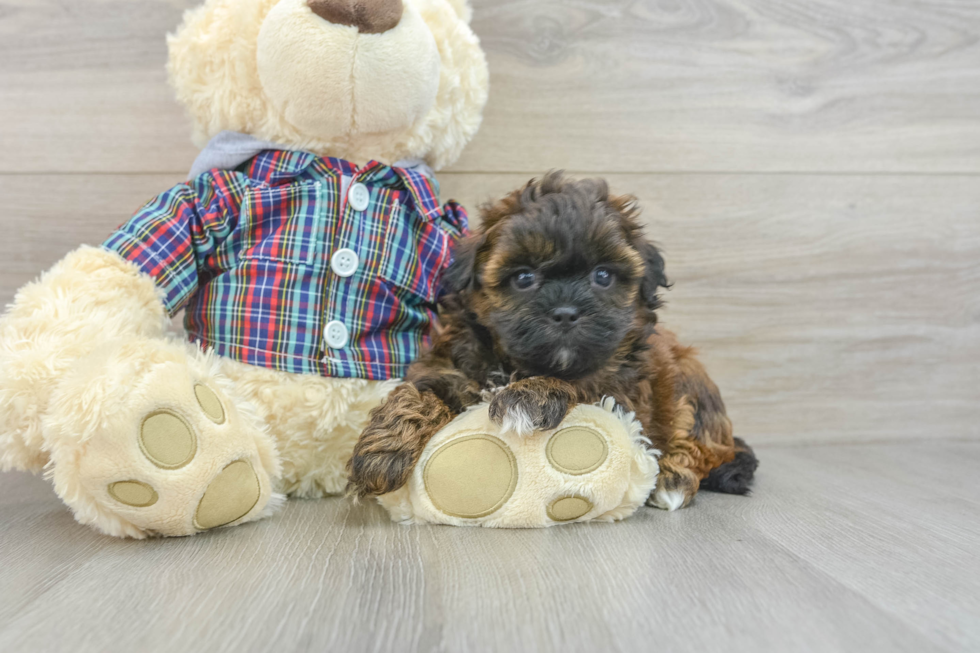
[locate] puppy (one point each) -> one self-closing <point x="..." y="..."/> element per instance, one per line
<point x="552" y="302"/>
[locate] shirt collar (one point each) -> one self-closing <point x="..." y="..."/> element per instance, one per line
<point x="276" y="164"/>
<point x="276" y="167"/>
<point x="228" y="150"/>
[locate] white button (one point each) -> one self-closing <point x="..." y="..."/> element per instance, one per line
<point x="358" y="196"/>
<point x="344" y="262"/>
<point x="336" y="335"/>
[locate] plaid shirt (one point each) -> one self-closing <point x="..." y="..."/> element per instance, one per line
<point x="247" y="252"/>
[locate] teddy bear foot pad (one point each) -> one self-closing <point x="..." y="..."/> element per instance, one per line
<point x="474" y="476"/>
<point x="595" y="465"/>
<point x="172" y="453"/>
<point x="169" y="442"/>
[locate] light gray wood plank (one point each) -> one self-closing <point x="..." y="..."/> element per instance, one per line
<point x="46" y="216"/>
<point x="825" y="556"/>
<point x="40" y="543"/>
<point x="828" y="308"/>
<point x="897" y="524"/>
<point x="621" y="85"/>
<point x="85" y="87"/>
<point x="730" y="85"/>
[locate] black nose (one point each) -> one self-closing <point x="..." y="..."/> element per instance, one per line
<point x="566" y="316"/>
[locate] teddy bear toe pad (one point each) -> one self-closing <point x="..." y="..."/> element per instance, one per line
<point x="167" y="440"/>
<point x="133" y="493"/>
<point x="577" y="450"/>
<point x="209" y="403"/>
<point x="230" y="496"/>
<point x="569" y="508"/>
<point x="471" y="477"/>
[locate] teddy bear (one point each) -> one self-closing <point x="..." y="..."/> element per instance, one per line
<point x="305" y="252"/>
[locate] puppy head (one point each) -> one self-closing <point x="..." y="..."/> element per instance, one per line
<point x="559" y="273"/>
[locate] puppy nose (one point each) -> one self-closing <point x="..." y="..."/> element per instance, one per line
<point x="368" y="16"/>
<point x="566" y="316"/>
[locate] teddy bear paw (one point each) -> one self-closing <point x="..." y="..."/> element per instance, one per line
<point x="171" y="455"/>
<point x="593" y="466"/>
<point x="169" y="442"/>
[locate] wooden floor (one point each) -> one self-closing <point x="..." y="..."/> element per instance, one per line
<point x="811" y="169"/>
<point x="865" y="547"/>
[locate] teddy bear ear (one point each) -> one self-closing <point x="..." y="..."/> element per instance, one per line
<point x="463" y="9"/>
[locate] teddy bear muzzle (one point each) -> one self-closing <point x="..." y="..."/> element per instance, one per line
<point x="368" y="16"/>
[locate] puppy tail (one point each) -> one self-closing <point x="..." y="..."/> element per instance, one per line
<point x="736" y="476"/>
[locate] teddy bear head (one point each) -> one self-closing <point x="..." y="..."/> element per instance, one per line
<point x="354" y="79"/>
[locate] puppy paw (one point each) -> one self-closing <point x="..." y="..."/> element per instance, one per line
<point x="535" y="404"/>
<point x="668" y="500"/>
<point x="377" y="472"/>
<point x="674" y="489"/>
<point x="392" y="442"/>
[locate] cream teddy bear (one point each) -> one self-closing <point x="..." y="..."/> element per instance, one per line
<point x="306" y="251"/>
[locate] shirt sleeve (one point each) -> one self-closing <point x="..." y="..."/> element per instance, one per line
<point x="177" y="238"/>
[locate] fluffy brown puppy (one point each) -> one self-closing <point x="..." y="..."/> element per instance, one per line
<point x="552" y="303"/>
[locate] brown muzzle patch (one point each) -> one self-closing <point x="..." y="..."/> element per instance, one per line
<point x="368" y="16"/>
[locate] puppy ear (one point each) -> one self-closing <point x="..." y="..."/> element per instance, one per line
<point x="654" y="277"/>
<point x="461" y="277"/>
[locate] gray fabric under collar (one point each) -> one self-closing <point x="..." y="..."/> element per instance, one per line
<point x="228" y="150"/>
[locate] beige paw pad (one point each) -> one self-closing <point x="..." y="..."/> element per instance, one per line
<point x="133" y="493"/>
<point x="569" y="508"/>
<point x="229" y="497"/>
<point x="471" y="477"/>
<point x="209" y="403"/>
<point x="577" y="450"/>
<point x="167" y="440"/>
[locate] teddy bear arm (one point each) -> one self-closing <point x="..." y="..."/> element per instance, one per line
<point x="145" y="272"/>
<point x="184" y="235"/>
<point x="88" y="300"/>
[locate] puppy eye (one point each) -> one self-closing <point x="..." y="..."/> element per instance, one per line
<point x="524" y="280"/>
<point x="603" y="277"/>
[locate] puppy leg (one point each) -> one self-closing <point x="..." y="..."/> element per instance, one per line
<point x="389" y="447"/>
<point x="680" y="464"/>
<point x="733" y="477"/>
<point x="683" y="464"/>
<point x="701" y="449"/>
<point x="536" y="404"/>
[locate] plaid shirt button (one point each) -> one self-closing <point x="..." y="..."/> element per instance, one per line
<point x="344" y="262"/>
<point x="336" y="335"/>
<point x="358" y="196"/>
